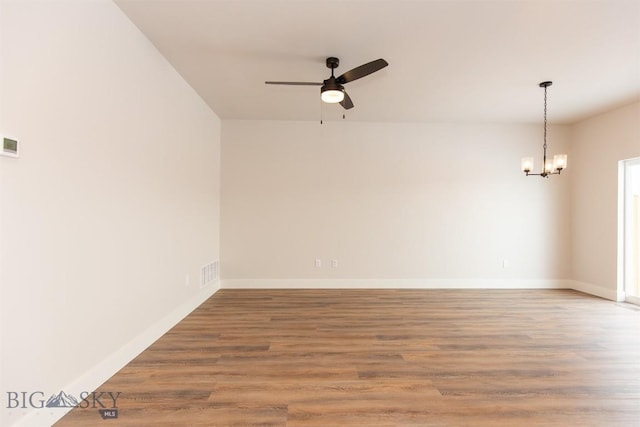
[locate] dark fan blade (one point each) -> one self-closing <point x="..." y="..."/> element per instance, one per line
<point x="361" y="71"/>
<point x="346" y="102"/>
<point x="294" y="83"/>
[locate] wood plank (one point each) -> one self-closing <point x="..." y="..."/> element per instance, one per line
<point x="387" y="358"/>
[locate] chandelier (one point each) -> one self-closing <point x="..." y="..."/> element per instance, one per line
<point x="549" y="167"/>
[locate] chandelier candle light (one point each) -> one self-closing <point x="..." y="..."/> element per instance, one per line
<point x="549" y="167"/>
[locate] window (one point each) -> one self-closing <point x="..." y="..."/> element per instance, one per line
<point x="629" y="268"/>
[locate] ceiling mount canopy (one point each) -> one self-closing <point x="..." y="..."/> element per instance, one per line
<point x="549" y="167"/>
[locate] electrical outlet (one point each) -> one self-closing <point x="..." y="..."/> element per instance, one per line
<point x="334" y="263"/>
<point x="318" y="263"/>
<point x="505" y="263"/>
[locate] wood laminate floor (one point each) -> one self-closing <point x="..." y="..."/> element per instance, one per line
<point x="386" y="358"/>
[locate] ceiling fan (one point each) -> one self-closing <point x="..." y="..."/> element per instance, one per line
<point x="332" y="90"/>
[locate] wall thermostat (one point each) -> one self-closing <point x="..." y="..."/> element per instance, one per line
<point x="9" y="146"/>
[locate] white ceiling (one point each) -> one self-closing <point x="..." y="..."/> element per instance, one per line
<point x="449" y="61"/>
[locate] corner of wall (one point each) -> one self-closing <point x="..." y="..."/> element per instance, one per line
<point x="596" y="290"/>
<point x="98" y="374"/>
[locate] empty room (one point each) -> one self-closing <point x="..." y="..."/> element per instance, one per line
<point x="319" y="213"/>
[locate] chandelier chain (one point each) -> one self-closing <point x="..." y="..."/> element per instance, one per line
<point x="545" y="119"/>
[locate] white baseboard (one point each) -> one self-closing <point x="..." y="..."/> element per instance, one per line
<point x="597" y="290"/>
<point x="104" y="370"/>
<point x="394" y="284"/>
<point x="631" y="299"/>
<point x="423" y="284"/>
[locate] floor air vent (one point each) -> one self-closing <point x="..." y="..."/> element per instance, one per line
<point x="209" y="273"/>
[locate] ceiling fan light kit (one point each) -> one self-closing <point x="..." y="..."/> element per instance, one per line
<point x="332" y="96"/>
<point x="332" y="89"/>
<point x="549" y="166"/>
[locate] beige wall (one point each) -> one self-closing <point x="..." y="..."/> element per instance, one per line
<point x="395" y="204"/>
<point x="114" y="200"/>
<point x="598" y="144"/>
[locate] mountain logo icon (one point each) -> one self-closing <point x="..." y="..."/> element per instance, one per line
<point x="61" y="400"/>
